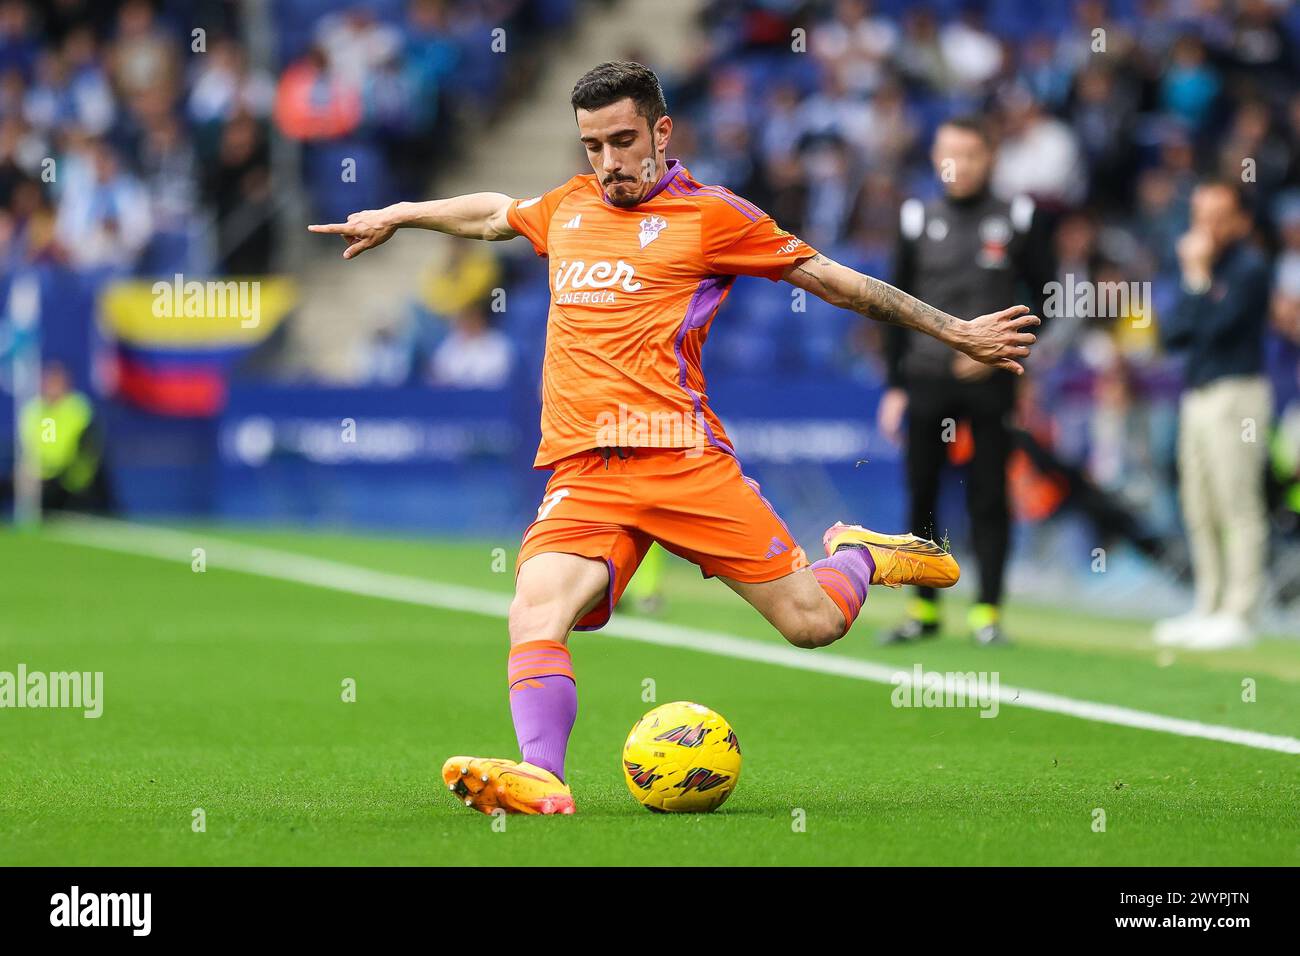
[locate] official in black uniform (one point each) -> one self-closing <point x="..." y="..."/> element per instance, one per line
<point x="965" y="253"/>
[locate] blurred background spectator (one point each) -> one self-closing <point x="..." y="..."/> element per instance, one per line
<point x="473" y="355"/>
<point x="60" y="433"/>
<point x="1219" y="322"/>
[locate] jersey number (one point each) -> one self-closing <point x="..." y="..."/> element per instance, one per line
<point x="550" y="501"/>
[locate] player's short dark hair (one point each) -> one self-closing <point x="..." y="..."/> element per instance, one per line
<point x="971" y="123"/>
<point x="617" y="80"/>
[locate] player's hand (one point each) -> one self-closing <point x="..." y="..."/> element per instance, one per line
<point x="999" y="338"/>
<point x="1195" y="251"/>
<point x="363" y="230"/>
<point x="889" y="416"/>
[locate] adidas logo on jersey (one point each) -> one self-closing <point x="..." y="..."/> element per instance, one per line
<point x="573" y="223"/>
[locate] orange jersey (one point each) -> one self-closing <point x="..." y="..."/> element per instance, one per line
<point x="633" y="293"/>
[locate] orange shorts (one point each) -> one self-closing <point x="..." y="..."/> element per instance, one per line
<point x="698" y="505"/>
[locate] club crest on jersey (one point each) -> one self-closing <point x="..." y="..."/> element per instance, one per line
<point x="651" y="226"/>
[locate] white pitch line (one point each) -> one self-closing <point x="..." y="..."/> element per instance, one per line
<point x="173" y="545"/>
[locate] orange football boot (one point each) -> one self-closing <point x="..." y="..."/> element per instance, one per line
<point x="487" y="784"/>
<point x="900" y="558"/>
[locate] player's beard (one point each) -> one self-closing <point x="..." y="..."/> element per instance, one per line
<point x="623" y="199"/>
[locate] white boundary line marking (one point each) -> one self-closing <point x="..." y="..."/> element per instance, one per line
<point x="172" y="545"/>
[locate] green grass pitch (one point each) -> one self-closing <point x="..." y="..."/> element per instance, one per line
<point x="222" y="691"/>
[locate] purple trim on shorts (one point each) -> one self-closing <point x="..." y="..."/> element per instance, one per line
<point x="609" y="601"/>
<point x="671" y="168"/>
<point x="708" y="296"/>
<point x="753" y="486"/>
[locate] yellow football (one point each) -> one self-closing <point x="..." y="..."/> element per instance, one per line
<point x="681" y="758"/>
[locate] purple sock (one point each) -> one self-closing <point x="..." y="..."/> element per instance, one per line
<point x="544" y="709"/>
<point x="845" y="577"/>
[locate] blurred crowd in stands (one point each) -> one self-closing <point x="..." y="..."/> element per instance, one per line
<point x="136" y="135"/>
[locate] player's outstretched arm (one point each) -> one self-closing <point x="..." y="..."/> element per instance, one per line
<point x="997" y="339"/>
<point x="473" y="216"/>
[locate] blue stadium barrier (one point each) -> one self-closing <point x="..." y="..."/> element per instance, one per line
<point x="440" y="461"/>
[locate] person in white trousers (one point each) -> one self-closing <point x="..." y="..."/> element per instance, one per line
<point x="1219" y="323"/>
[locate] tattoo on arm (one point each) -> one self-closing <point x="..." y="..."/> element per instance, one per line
<point x="877" y="300"/>
<point x="881" y="301"/>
